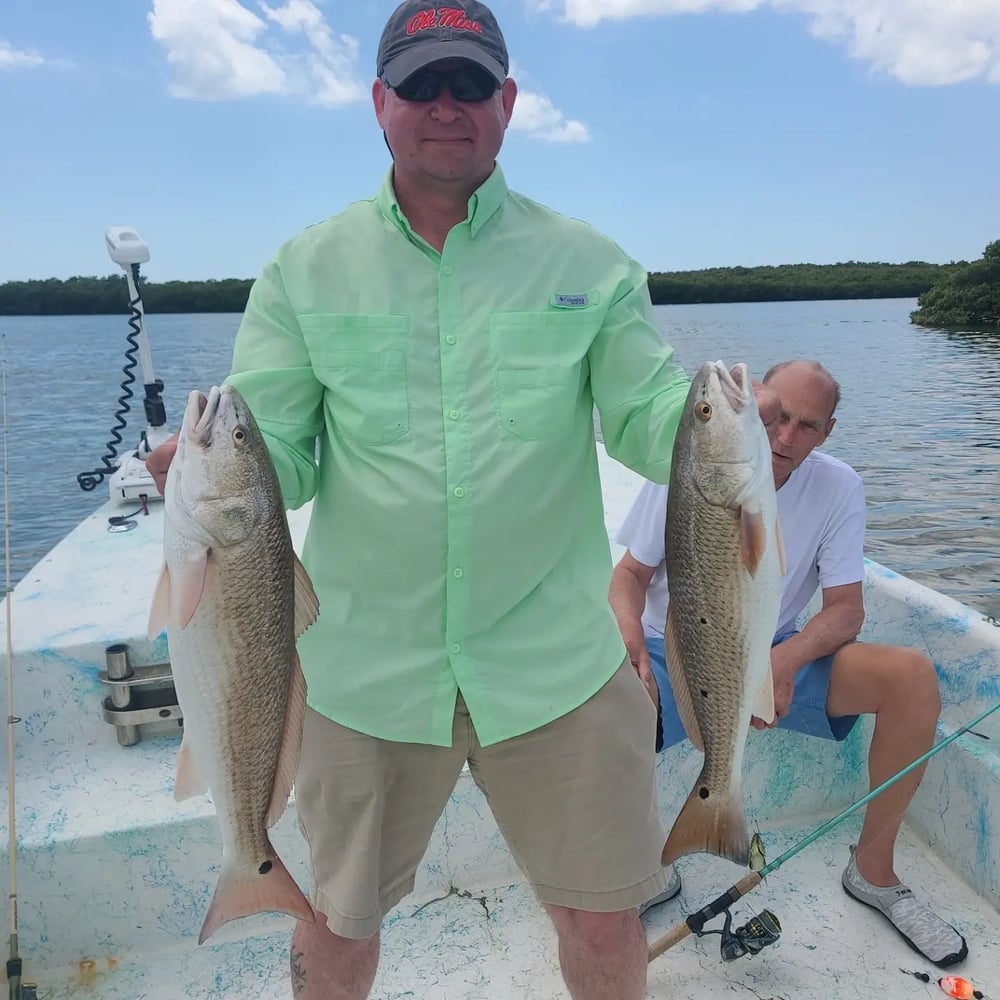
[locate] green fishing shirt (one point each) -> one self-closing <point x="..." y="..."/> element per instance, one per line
<point x="457" y="537"/>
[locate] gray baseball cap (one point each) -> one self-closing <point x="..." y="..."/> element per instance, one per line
<point x="419" y="33"/>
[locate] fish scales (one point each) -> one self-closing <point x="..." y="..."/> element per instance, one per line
<point x="724" y="576"/>
<point x="233" y="598"/>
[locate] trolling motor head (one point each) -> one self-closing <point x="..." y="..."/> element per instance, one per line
<point x="125" y="246"/>
<point x="128" y="477"/>
<point x="750" y="939"/>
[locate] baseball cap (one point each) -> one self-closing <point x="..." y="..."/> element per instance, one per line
<point x="419" y="33"/>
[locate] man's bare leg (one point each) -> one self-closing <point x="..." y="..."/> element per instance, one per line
<point x="603" y="956"/>
<point x="899" y="685"/>
<point x="326" y="966"/>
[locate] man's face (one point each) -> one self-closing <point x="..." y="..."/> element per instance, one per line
<point x="805" y="421"/>
<point x="444" y="141"/>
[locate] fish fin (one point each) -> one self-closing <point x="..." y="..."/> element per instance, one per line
<point x="715" y="824"/>
<point x="159" y="611"/>
<point x="291" y="744"/>
<point x="306" y="602"/>
<point x="763" y="701"/>
<point x="188" y="779"/>
<point x="679" y="682"/>
<point x="191" y="586"/>
<point x="240" y="894"/>
<point x="753" y="539"/>
<point x="782" y="561"/>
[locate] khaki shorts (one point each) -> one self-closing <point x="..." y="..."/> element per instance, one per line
<point x="575" y="800"/>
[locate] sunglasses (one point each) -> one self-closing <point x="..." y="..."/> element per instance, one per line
<point x="468" y="84"/>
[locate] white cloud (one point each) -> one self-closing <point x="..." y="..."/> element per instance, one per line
<point x="330" y="69"/>
<point x="536" y="115"/>
<point x="926" y="42"/>
<point x="221" y="50"/>
<point x="11" y="58"/>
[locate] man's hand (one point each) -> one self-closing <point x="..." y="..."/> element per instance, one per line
<point x="159" y="461"/>
<point x="783" y="675"/>
<point x="635" y="645"/>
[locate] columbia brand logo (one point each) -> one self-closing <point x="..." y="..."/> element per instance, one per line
<point x="571" y="300"/>
<point x="442" y="17"/>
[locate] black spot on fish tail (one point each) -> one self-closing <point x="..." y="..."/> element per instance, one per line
<point x="703" y="792"/>
<point x="704" y="693"/>
<point x="264" y="868"/>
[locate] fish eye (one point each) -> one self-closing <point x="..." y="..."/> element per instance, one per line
<point x="239" y="434"/>
<point x="703" y="411"/>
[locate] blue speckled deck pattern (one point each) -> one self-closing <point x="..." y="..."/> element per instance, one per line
<point x="114" y="876"/>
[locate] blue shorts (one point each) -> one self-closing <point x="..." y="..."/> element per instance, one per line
<point x="807" y="713"/>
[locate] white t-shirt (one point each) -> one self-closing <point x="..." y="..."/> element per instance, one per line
<point x="821" y="508"/>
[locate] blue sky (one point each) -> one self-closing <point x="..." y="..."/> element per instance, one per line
<point x="696" y="133"/>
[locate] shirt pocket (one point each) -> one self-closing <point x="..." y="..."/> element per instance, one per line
<point x="362" y="362"/>
<point x="541" y="362"/>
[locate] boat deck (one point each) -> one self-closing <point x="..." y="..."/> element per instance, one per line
<point x="115" y="877"/>
<point x="496" y="944"/>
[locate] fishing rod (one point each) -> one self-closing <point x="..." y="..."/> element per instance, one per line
<point x="14" y="961"/>
<point x="759" y="932"/>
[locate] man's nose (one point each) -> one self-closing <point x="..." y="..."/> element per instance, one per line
<point x="786" y="434"/>
<point x="444" y="107"/>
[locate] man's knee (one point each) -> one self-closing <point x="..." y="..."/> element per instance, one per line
<point x="916" y="680"/>
<point x="870" y="678"/>
<point x="910" y="680"/>
<point x="597" y="932"/>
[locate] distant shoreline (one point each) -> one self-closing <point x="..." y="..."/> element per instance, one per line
<point x="87" y="296"/>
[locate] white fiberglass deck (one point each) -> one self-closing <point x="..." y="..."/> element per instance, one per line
<point x="115" y="876"/>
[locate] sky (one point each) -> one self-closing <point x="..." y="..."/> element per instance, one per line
<point x="695" y="133"/>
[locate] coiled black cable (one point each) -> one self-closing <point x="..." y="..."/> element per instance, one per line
<point x="91" y="480"/>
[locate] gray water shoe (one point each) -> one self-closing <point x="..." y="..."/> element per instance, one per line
<point x="919" y="926"/>
<point x="672" y="889"/>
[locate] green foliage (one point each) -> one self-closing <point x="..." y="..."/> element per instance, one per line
<point x="967" y="298"/>
<point x="89" y="296"/>
<point x="785" y="282"/>
<point x="795" y="282"/>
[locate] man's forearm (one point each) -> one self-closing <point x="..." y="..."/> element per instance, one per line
<point x="627" y="596"/>
<point x="823" y="634"/>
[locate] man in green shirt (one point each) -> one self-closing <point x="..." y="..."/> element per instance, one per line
<point x="444" y="344"/>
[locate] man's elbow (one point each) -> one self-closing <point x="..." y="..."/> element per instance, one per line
<point x="854" y="623"/>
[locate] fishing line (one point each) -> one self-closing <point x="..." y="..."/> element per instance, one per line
<point x="14" y="961"/>
<point x="695" y="923"/>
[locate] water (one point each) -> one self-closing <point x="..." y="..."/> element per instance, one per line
<point x="920" y="417"/>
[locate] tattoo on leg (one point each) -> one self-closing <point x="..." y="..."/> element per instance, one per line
<point x="298" y="972"/>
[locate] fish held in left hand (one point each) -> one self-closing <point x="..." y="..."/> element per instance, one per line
<point x="234" y="598"/>
<point x="724" y="566"/>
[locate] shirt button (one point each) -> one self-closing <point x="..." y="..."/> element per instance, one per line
<point x="459" y="492"/>
<point x="454" y="414"/>
<point x="447" y="269"/>
<point x="450" y="339"/>
<point x="458" y="572"/>
<point x="456" y="647"/>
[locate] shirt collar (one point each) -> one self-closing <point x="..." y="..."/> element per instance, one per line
<point x="483" y="204"/>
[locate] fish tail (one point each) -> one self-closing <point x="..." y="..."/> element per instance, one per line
<point x="713" y="823"/>
<point x="239" y="894"/>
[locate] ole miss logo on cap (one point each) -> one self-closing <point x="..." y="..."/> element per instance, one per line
<point x="442" y="17"/>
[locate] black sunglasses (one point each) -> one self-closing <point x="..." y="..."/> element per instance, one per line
<point x="469" y="84"/>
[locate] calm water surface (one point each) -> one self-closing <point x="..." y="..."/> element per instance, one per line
<point x="920" y="417"/>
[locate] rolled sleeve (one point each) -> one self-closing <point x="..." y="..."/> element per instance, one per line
<point x="273" y="372"/>
<point x="638" y="389"/>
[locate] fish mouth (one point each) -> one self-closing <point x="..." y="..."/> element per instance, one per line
<point x="200" y="415"/>
<point x="735" y="384"/>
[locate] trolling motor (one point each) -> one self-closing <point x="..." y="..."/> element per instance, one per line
<point x="750" y="939"/>
<point x="128" y="478"/>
